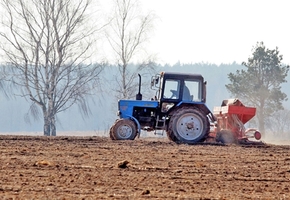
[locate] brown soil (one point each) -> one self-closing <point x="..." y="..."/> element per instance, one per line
<point x="98" y="168"/>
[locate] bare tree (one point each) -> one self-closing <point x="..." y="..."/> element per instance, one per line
<point x="47" y="43"/>
<point x="129" y="31"/>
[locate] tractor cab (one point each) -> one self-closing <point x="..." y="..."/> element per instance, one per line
<point x="177" y="88"/>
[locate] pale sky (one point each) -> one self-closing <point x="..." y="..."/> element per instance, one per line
<point x="218" y="31"/>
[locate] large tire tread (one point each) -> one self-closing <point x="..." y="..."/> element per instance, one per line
<point x="172" y="132"/>
<point x="112" y="133"/>
<point x="170" y="135"/>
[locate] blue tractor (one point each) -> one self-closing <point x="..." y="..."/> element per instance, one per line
<point x="178" y="109"/>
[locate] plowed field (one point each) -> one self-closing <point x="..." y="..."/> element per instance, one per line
<point x="36" y="167"/>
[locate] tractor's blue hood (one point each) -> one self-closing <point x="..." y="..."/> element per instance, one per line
<point x="126" y="106"/>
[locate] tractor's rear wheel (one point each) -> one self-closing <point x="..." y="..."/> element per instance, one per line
<point x="123" y="129"/>
<point x="226" y="137"/>
<point x="171" y="136"/>
<point x="188" y="125"/>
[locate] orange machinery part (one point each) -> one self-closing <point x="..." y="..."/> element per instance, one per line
<point x="227" y="113"/>
<point x="243" y="113"/>
<point x="235" y="106"/>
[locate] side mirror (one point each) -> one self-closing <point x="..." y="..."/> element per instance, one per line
<point x="154" y="81"/>
<point x="157" y="80"/>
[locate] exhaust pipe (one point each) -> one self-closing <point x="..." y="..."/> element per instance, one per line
<point x="139" y="95"/>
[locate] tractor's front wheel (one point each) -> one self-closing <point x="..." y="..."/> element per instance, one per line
<point x="111" y="133"/>
<point x="188" y="125"/>
<point x="123" y="129"/>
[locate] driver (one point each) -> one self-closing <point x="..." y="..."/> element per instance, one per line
<point x="186" y="94"/>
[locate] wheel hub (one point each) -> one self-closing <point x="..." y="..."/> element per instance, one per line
<point x="189" y="126"/>
<point x="124" y="131"/>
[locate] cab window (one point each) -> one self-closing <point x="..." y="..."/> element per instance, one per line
<point x="171" y="90"/>
<point x="192" y="90"/>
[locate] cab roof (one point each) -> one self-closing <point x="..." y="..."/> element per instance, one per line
<point x="179" y="75"/>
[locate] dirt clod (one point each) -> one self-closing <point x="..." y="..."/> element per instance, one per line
<point x="146" y="192"/>
<point x="123" y="164"/>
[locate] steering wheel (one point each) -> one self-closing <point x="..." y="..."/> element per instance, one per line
<point x="174" y="93"/>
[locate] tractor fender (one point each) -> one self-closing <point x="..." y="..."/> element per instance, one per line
<point x="136" y="121"/>
<point x="200" y="105"/>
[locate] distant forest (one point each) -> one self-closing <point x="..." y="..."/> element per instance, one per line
<point x="103" y="105"/>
